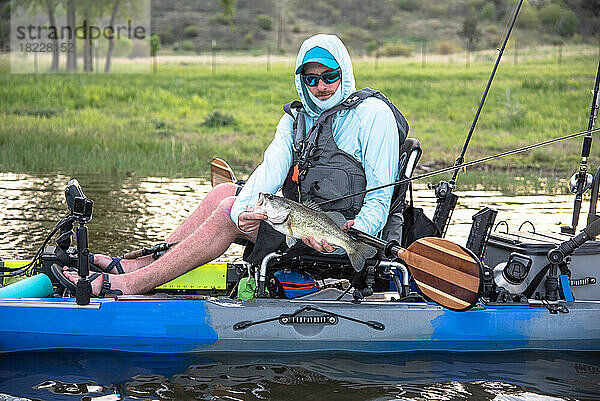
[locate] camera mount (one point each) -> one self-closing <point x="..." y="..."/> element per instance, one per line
<point x="80" y="208"/>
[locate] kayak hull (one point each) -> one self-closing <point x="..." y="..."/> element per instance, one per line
<point x="168" y="325"/>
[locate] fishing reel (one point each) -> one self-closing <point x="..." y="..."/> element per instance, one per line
<point x="441" y="189"/>
<point x="574" y="183"/>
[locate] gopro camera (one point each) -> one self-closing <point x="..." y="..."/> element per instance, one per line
<point x="79" y="206"/>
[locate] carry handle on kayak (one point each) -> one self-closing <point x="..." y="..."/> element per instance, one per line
<point x="445" y="272"/>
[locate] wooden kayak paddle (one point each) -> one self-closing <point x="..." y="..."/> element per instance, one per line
<point x="445" y="272"/>
<point x="220" y="172"/>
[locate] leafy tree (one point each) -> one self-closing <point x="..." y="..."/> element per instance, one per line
<point x="111" y="42"/>
<point x="265" y="22"/>
<point x="488" y="12"/>
<point x="371" y="46"/>
<point x="49" y="6"/>
<point x="90" y="10"/>
<point x="394" y="49"/>
<point x="154" y="44"/>
<point x="4" y="24"/>
<point x="471" y="34"/>
<point x="71" y="40"/>
<point x="228" y="10"/>
<point x="568" y="24"/>
<point x="187" y="45"/>
<point x="191" y="31"/>
<point x="248" y="39"/>
<point x="559" y="19"/>
<point x="528" y="17"/>
<point x="124" y="10"/>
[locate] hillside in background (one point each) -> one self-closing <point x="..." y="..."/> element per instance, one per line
<point x="384" y="27"/>
<point x="374" y="27"/>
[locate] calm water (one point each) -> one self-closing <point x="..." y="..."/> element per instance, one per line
<point x="499" y="377"/>
<point x="131" y="212"/>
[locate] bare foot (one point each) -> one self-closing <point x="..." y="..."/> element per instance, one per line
<point x="129" y="265"/>
<point x="116" y="282"/>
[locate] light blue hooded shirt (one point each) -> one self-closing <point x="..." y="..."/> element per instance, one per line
<point x="368" y="133"/>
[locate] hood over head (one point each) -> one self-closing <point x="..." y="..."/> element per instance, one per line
<point x="333" y="45"/>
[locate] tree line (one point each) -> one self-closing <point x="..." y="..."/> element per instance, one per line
<point x="87" y="12"/>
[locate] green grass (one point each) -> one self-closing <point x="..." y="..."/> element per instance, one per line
<point x="168" y="123"/>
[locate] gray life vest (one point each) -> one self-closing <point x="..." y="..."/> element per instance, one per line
<point x="320" y="170"/>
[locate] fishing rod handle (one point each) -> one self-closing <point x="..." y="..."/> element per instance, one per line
<point x="568" y="247"/>
<point x="368" y="239"/>
<point x="587" y="146"/>
<point x="138" y="253"/>
<point x="391" y="248"/>
<point x="395" y="250"/>
<point x="156" y="249"/>
<point x="593" y="229"/>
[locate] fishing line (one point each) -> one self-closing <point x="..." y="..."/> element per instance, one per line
<point x="507" y="26"/>
<point x="461" y="157"/>
<point x="465" y="165"/>
<point x="446" y="200"/>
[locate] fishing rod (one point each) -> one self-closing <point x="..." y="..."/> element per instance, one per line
<point x="156" y="251"/>
<point x="446" y="200"/>
<point x="582" y="180"/>
<point x="467" y="164"/>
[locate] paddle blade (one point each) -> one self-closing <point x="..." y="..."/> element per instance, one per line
<point x="220" y="172"/>
<point x="445" y="272"/>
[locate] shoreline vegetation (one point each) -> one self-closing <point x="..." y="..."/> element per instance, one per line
<point x="174" y="122"/>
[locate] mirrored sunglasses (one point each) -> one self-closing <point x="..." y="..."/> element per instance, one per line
<point x="327" y="77"/>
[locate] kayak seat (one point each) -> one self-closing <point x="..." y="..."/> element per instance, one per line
<point x="410" y="153"/>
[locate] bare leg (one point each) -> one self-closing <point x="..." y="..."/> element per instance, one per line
<point x="210" y="240"/>
<point x="202" y="212"/>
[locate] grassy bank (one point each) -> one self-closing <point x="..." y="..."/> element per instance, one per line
<point x="168" y="123"/>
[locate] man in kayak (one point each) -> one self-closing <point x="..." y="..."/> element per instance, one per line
<point x="357" y="148"/>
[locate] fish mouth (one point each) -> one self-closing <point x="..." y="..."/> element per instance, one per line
<point x="261" y="199"/>
<point x="280" y="218"/>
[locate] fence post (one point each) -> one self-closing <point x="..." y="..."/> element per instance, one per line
<point x="269" y="58"/>
<point x="214" y="56"/>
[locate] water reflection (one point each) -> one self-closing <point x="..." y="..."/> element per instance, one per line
<point x="131" y="212"/>
<point x="417" y="376"/>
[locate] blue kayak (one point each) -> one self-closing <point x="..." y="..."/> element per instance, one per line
<point x="191" y="324"/>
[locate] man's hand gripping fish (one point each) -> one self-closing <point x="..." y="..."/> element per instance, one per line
<point x="303" y="221"/>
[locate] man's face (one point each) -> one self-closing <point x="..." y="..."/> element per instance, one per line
<point x="321" y="91"/>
